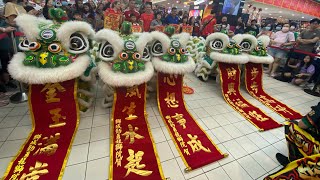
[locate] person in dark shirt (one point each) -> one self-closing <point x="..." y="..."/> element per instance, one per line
<point x="240" y="26"/>
<point x="172" y="18"/>
<point x="253" y="28"/>
<point x="303" y="138"/>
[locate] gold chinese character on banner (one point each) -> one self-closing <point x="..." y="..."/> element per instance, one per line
<point x="196" y="145"/>
<point x="266" y="100"/>
<point x="283" y="109"/>
<point x="180" y="120"/>
<point x="254" y="73"/>
<point x="170" y="80"/>
<point x="131" y="134"/>
<point x="186" y="151"/>
<point x="133" y="91"/>
<point x="171" y="100"/>
<point x="50" y="147"/>
<point x="130" y="111"/>
<point x="119" y="158"/>
<point x="254" y="87"/>
<point x="231" y="73"/>
<point x="51" y="94"/>
<point x="257" y="116"/>
<point x="36" y="171"/>
<point x="57" y="118"/>
<point x="134" y="165"/>
<point x="241" y="103"/>
<point x="231" y="89"/>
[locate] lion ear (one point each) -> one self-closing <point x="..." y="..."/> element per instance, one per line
<point x="217" y="41"/>
<point x="161" y="43"/>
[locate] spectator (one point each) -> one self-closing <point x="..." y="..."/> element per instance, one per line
<point x="131" y="10"/>
<point x="99" y="17"/>
<point x="289" y="71"/>
<point x="147" y="17"/>
<point x="92" y="4"/>
<point x="172" y="18"/>
<point x="281" y="39"/>
<point x="208" y="24"/>
<point x="12" y="10"/>
<point x="306" y="40"/>
<point x="6" y="52"/>
<point x="78" y="6"/>
<point x="266" y="31"/>
<point x="293" y="29"/>
<point x="196" y="26"/>
<point x="224" y="24"/>
<point x="306" y="71"/>
<point x="88" y="14"/>
<point x="113" y="16"/>
<point x="48" y="4"/>
<point x="77" y="16"/>
<point x="240" y="26"/>
<point x="180" y="15"/>
<point x="252" y="28"/>
<point x="156" y="22"/>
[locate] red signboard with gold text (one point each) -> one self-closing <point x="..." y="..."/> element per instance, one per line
<point x="55" y="116"/>
<point x="306" y="6"/>
<point x="132" y="152"/>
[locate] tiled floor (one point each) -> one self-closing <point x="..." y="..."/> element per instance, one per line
<point x="251" y="153"/>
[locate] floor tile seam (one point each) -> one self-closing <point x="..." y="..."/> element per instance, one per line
<point x="268" y="172"/>
<point x="247" y="171"/>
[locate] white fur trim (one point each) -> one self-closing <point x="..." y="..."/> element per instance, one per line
<point x="68" y="28"/>
<point x="173" y="68"/>
<point x="252" y="39"/>
<point x="261" y="59"/>
<point x="143" y="40"/>
<point x="265" y="40"/>
<point x="229" y="58"/>
<point x="118" y="79"/>
<point x="238" y="38"/>
<point x="183" y="38"/>
<point x="91" y="77"/>
<point x="113" y="38"/>
<point x="164" y="39"/>
<point x="223" y="37"/>
<point x="34" y="75"/>
<point x="29" y="25"/>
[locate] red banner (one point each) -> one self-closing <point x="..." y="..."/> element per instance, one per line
<point x="55" y="116"/>
<point x="300" y="5"/>
<point x="294" y="4"/>
<point x="159" y="28"/>
<point x="254" y="85"/>
<point x="278" y="3"/>
<point x="132" y="150"/>
<point x="306" y="6"/>
<point x="187" y="29"/>
<point x="230" y="84"/>
<point x="193" y="144"/>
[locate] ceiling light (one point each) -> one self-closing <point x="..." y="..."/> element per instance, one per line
<point x="184" y="6"/>
<point x="280" y="16"/>
<point x="271" y="17"/>
<point x="280" y="11"/>
<point x="302" y="17"/>
<point x="269" y="14"/>
<point x="265" y="8"/>
<point x="292" y="14"/>
<point x="168" y="3"/>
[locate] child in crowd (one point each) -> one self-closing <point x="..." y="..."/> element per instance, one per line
<point x="306" y="71"/>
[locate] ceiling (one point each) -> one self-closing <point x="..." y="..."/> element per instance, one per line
<point x="267" y="10"/>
